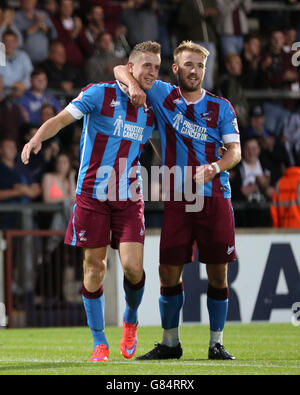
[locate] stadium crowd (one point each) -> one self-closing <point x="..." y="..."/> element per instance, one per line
<point x="54" y="48"/>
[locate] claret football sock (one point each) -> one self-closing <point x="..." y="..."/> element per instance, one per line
<point x="133" y="296"/>
<point x="170" y="304"/>
<point x="217" y="304"/>
<point x="94" y="304"/>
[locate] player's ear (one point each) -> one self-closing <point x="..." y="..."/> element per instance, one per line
<point x="175" y="68"/>
<point x="130" y="66"/>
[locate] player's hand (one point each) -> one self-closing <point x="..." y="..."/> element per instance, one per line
<point x="32" y="145"/>
<point x="137" y="95"/>
<point x="221" y="151"/>
<point x="204" y="174"/>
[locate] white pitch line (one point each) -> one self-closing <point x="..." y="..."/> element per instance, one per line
<point x="212" y="363"/>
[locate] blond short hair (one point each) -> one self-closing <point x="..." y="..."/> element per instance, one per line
<point x="192" y="47"/>
<point x="147" y="46"/>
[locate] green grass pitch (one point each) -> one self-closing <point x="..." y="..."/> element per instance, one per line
<point x="261" y="349"/>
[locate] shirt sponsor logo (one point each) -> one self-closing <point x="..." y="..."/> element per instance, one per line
<point x="128" y="130"/>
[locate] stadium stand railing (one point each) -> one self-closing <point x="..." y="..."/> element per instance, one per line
<point x="43" y="278"/>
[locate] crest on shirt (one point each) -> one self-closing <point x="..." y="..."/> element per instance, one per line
<point x="115" y="103"/>
<point x="82" y="235"/>
<point x="178" y="101"/>
<point x="206" y="115"/>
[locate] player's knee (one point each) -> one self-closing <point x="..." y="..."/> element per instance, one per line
<point x="133" y="271"/>
<point x="218" y="282"/>
<point x="94" y="266"/>
<point x="170" y="276"/>
<point x="217" y="276"/>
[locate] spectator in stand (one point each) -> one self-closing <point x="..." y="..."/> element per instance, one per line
<point x="233" y="24"/>
<point x="37" y="29"/>
<point x="39" y="164"/>
<point x="196" y="21"/>
<point x="16" y="183"/>
<point x="59" y="185"/>
<point x="251" y="59"/>
<point x="47" y="112"/>
<point x="36" y="96"/>
<point x="50" y="6"/>
<point x="16" y="73"/>
<point x="95" y="23"/>
<point x="273" y="157"/>
<point x="141" y="22"/>
<point x="112" y="12"/>
<point x="278" y="73"/>
<point x="257" y="122"/>
<point x="11" y="116"/>
<point x="7" y="23"/>
<point x="250" y="181"/>
<point x="61" y="74"/>
<point x="230" y="87"/>
<point x="71" y="33"/>
<point x="99" y="68"/>
<point x="290" y="37"/>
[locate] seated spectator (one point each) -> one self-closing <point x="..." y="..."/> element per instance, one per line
<point x="273" y="157"/>
<point x="47" y="112"/>
<point x="277" y="66"/>
<point x="16" y="73"/>
<point x="37" y="29"/>
<point x="38" y="164"/>
<point x="99" y="68"/>
<point x="250" y="181"/>
<point x="112" y="11"/>
<point x="233" y="24"/>
<point x="278" y="73"/>
<point x="231" y="88"/>
<point x="290" y="37"/>
<point x="16" y="183"/>
<point x="61" y="74"/>
<point x="285" y="208"/>
<point x="198" y="25"/>
<point x="59" y="186"/>
<point x="71" y="33"/>
<point x="11" y="115"/>
<point x="141" y="22"/>
<point x="50" y="6"/>
<point x="7" y="23"/>
<point x="251" y="59"/>
<point x="36" y="96"/>
<point x="257" y="123"/>
<point x="95" y="23"/>
<point x="291" y="136"/>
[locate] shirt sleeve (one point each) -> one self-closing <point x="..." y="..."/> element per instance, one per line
<point x="229" y="125"/>
<point x="86" y="102"/>
<point x="159" y="89"/>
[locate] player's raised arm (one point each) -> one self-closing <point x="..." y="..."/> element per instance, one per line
<point x="136" y="93"/>
<point x="48" y="130"/>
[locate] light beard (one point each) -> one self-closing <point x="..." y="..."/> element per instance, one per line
<point x="186" y="88"/>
